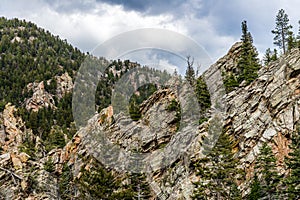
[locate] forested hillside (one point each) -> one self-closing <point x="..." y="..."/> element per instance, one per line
<point x="30" y="54"/>
<point x="37" y="74"/>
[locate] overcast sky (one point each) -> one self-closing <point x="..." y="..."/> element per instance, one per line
<point x="214" y="24"/>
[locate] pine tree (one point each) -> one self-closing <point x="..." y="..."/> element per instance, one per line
<point x="230" y="82"/>
<point x="270" y="56"/>
<point x="203" y="97"/>
<point x="282" y="30"/>
<point x="190" y="72"/>
<point x="202" y="92"/>
<point x="267" y="57"/>
<point x="274" y="56"/>
<point x="256" y="190"/>
<point x="291" y="42"/>
<point x="298" y="35"/>
<point x="292" y="182"/>
<point x="248" y="64"/>
<point x="139" y="186"/>
<point x="100" y="183"/>
<point x="134" y="111"/>
<point x="65" y="183"/>
<point x="218" y="173"/>
<point x="265" y="169"/>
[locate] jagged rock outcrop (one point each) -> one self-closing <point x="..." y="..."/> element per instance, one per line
<point x="40" y="97"/>
<point x="64" y="84"/>
<point x="267" y="110"/>
<point x="23" y="161"/>
<point x="151" y="134"/>
<point x="152" y="131"/>
<point x="12" y="129"/>
<point x="228" y="63"/>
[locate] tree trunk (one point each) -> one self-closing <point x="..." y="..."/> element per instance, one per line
<point x="283" y="39"/>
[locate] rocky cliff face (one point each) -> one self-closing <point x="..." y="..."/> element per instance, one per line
<point x="267" y="110"/>
<point x="41" y="98"/>
<point x="26" y="170"/>
<point x="64" y="84"/>
<point x="155" y="130"/>
<point x="16" y="161"/>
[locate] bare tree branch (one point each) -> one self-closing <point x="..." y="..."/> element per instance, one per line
<point x="190" y="61"/>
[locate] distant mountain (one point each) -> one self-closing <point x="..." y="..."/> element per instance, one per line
<point x="29" y="54"/>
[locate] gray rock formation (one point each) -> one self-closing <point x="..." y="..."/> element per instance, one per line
<point x="64" y="84"/>
<point x="40" y="98"/>
<point x="43" y="99"/>
<point x="267" y="110"/>
<point x="17" y="176"/>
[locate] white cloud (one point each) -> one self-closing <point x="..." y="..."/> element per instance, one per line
<point x="91" y="28"/>
<point x="157" y="59"/>
<point x="166" y="65"/>
<point x="215" y="25"/>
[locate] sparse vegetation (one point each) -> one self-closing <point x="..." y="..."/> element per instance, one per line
<point x="218" y="173"/>
<point x="49" y="165"/>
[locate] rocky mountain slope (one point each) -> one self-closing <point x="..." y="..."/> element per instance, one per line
<point x="267" y="110"/>
<point x="115" y="157"/>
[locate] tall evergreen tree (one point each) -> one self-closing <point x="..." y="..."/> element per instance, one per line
<point x="265" y="169"/>
<point x="203" y="97"/>
<point x="267" y="57"/>
<point x="202" y="92"/>
<point x="139" y="186"/>
<point x="100" y="183"/>
<point x="230" y="82"/>
<point x="190" y="72"/>
<point x="282" y="30"/>
<point x="248" y="64"/>
<point x="291" y="42"/>
<point x="292" y="182"/>
<point x="218" y="173"/>
<point x="274" y="56"/>
<point x="298" y="35"/>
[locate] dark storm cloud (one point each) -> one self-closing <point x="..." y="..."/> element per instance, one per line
<point x="137" y="5"/>
<point x="151" y="7"/>
<point x="146" y="7"/>
<point x="178" y="8"/>
<point x="226" y="16"/>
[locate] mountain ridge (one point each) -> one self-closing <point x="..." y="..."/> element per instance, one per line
<point x="44" y="156"/>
